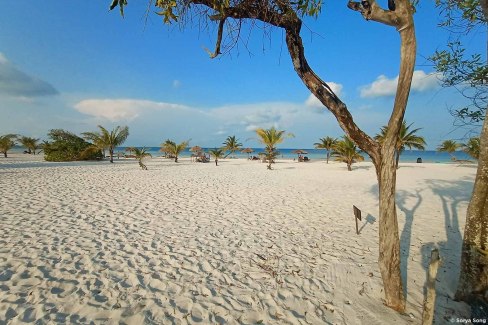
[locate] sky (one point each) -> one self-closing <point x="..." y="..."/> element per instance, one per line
<point x="75" y="65"/>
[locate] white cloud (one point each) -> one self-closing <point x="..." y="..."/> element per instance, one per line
<point x="16" y="83"/>
<point x="120" y="109"/>
<point x="383" y="86"/>
<point x="312" y="101"/>
<point x="249" y="117"/>
<point x="157" y="121"/>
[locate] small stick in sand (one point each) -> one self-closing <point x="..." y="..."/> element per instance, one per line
<point x="429" y="301"/>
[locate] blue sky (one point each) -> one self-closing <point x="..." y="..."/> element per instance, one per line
<point x="73" y="66"/>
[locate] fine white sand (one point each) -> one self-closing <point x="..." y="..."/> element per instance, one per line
<point x="234" y="244"/>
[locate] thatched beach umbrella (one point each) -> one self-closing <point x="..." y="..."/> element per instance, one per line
<point x="248" y="151"/>
<point x="300" y="152"/>
<point x="197" y="151"/>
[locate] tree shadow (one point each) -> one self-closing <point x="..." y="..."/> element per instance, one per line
<point x="359" y="167"/>
<point x="451" y="194"/>
<point x="405" y="237"/>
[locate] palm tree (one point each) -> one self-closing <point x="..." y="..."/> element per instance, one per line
<point x="107" y="140"/>
<point x="174" y="149"/>
<point x="472" y="147"/>
<point x="7" y="142"/>
<point x="140" y="154"/>
<point x="449" y="146"/>
<point x="216" y="153"/>
<point x="406" y="138"/>
<point x="232" y="145"/>
<point x="270" y="138"/>
<point x="347" y="151"/>
<point x="326" y="143"/>
<point x="31" y="144"/>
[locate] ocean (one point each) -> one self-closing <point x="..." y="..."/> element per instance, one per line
<point x="427" y="156"/>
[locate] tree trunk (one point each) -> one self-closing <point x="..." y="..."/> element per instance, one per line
<point x="176" y="158"/>
<point x="473" y="279"/>
<point x="384" y="157"/>
<point x="389" y="241"/>
<point x="216" y="162"/>
<point x="111" y="152"/>
<point x="5" y="154"/>
<point x="397" y="159"/>
<point x="328" y="155"/>
<point x="349" y="167"/>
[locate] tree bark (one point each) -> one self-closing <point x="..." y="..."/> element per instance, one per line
<point x="473" y="279"/>
<point x="397" y="159"/>
<point x="389" y="258"/>
<point x="111" y="152"/>
<point x="383" y="157"/>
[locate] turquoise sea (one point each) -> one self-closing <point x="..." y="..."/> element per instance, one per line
<point x="428" y="156"/>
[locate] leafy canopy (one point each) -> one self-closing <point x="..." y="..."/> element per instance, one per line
<point x="66" y="146"/>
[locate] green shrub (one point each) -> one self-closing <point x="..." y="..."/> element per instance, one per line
<point x="66" y="146"/>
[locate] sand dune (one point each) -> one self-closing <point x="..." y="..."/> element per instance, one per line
<point x="192" y="243"/>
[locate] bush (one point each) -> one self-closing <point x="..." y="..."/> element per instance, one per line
<point x="66" y="146"/>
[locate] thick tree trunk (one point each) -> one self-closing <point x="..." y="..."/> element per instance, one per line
<point x="384" y="157"/>
<point x="397" y="160"/>
<point x="111" y="152"/>
<point x="389" y="241"/>
<point x="473" y="278"/>
<point x="349" y="167"/>
<point x="176" y="158"/>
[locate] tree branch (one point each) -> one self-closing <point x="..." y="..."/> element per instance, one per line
<point x="219" y="39"/>
<point x="370" y="10"/>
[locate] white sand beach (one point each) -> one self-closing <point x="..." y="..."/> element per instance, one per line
<point x="192" y="243"/>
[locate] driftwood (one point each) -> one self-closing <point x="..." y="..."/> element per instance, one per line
<point x="429" y="300"/>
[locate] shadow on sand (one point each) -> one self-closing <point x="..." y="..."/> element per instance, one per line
<point x="451" y="194"/>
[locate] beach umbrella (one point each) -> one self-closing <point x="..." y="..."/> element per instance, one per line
<point x="300" y="152"/>
<point x="248" y="151"/>
<point x="196" y="149"/>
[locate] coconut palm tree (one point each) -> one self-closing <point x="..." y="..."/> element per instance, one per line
<point x="270" y="138"/>
<point x="472" y="147"/>
<point x="231" y="144"/>
<point x="217" y="154"/>
<point x="449" y="146"/>
<point x="31" y="144"/>
<point x="140" y="154"/>
<point x="406" y="138"/>
<point x="347" y="151"/>
<point x="107" y="140"/>
<point x="173" y="149"/>
<point x="7" y="142"/>
<point x="326" y="143"/>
